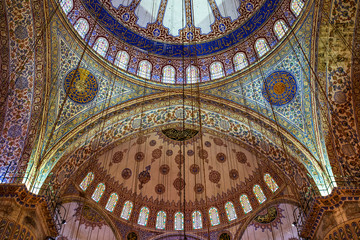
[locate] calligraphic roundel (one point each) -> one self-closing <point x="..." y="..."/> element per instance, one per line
<point x="279" y="88"/>
<point x="81" y="86"/>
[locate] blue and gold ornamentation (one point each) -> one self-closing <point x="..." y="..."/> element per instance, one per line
<point x="279" y="88"/>
<point x="84" y="87"/>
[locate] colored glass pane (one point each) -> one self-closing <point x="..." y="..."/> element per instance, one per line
<point x="86" y="181"/>
<point x="101" y="45"/>
<point x="169" y="74"/>
<point x="259" y="194"/>
<point x="161" y="220"/>
<point x="144" y="69"/>
<point x="244" y="200"/>
<point x="179" y="221"/>
<point x="122" y="60"/>
<point x="230" y="211"/>
<point x="296" y="6"/>
<point x="82" y="27"/>
<point x="192" y="74"/>
<point x="280" y="29"/>
<point x="270" y="182"/>
<point x="126" y="211"/>
<point x="143" y="216"/>
<point x="98" y="192"/>
<point x="112" y="202"/>
<point x="216" y="70"/>
<point x="240" y="61"/>
<point x="66" y="5"/>
<point x="261" y="47"/>
<point x="197" y="221"/>
<point x="214" y="216"/>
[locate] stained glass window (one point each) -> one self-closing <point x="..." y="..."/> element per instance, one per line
<point x="143" y="216"/>
<point x="126" y="211"/>
<point x="112" y="202"/>
<point x="192" y="74"/>
<point x="169" y="74"/>
<point x="101" y="45"/>
<point x="244" y="200"/>
<point x="98" y="192"/>
<point x="280" y="29"/>
<point x="197" y="221"/>
<point x="261" y="47"/>
<point x="179" y="221"/>
<point x="296" y="6"/>
<point x="214" y="216"/>
<point x="122" y="60"/>
<point x="82" y="27"/>
<point x="259" y="194"/>
<point x="86" y="181"/>
<point x="240" y="61"/>
<point x="161" y="220"/>
<point x="270" y="182"/>
<point x="66" y="5"/>
<point x="144" y="69"/>
<point x="216" y="70"/>
<point x="230" y="211"/>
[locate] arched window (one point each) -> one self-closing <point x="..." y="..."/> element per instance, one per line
<point x="179" y="221"/>
<point x="112" y="202"/>
<point x="126" y="211"/>
<point x="98" y="192"/>
<point x="197" y="221"/>
<point x="214" y="216"/>
<point x="230" y="211"/>
<point x="244" y="200"/>
<point x="259" y="194"/>
<point x="122" y="60"/>
<point x="240" y="61"/>
<point x="143" y="216"/>
<point x="216" y="70"/>
<point x="144" y="69"/>
<point x="66" y="5"/>
<point x="168" y="74"/>
<point x="86" y="181"/>
<point x="270" y="182"/>
<point x="101" y="45"/>
<point x="296" y="6"/>
<point x="192" y="74"/>
<point x="280" y="29"/>
<point x="82" y="27"/>
<point x="161" y="220"/>
<point x="261" y="47"/>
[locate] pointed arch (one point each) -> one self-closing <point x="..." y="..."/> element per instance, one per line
<point x="168" y="74"/>
<point x="259" y="194"/>
<point x="143" y="216"/>
<point x="179" y="221"/>
<point x="240" y="61"/>
<point x="245" y="204"/>
<point x="214" y="216"/>
<point x="101" y="46"/>
<point x="280" y="28"/>
<point x="66" y="5"/>
<point x="144" y="69"/>
<point x="122" y="60"/>
<point x="261" y="47"/>
<point x="86" y="181"/>
<point x="196" y="219"/>
<point x="270" y="182"/>
<point x="161" y="220"/>
<point x="82" y="27"/>
<point x="216" y="70"/>
<point x="126" y="211"/>
<point x="230" y="211"/>
<point x="192" y="74"/>
<point x="110" y="205"/>
<point x="98" y="192"/>
<point x="296" y="6"/>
